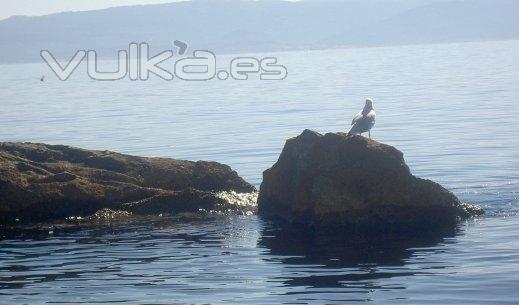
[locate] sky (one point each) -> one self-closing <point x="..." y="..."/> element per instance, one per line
<point x="10" y="8"/>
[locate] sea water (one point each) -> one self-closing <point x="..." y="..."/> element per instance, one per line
<point x="452" y="109"/>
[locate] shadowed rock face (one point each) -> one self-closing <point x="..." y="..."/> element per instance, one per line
<point x="42" y="182"/>
<point x="335" y="179"/>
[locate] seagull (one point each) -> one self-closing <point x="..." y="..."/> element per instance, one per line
<point x="42" y="79"/>
<point x="364" y="120"/>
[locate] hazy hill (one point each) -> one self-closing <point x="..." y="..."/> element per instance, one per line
<point x="238" y="25"/>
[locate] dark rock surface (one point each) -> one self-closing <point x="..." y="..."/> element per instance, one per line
<point x="45" y="182"/>
<point x="335" y="179"/>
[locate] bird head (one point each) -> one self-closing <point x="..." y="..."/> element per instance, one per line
<point x="369" y="104"/>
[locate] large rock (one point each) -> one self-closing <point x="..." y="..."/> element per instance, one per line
<point x="42" y="182"/>
<point x="337" y="179"/>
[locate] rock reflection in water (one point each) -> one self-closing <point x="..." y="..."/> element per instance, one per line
<point x="339" y="257"/>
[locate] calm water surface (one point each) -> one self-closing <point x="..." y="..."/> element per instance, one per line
<point x="452" y="109"/>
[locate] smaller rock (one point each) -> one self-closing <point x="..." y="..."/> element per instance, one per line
<point x="40" y="182"/>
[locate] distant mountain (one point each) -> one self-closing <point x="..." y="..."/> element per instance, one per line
<point x="271" y="25"/>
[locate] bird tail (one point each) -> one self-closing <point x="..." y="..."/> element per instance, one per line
<point x="350" y="130"/>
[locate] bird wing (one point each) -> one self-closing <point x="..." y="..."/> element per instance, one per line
<point x="371" y="116"/>
<point x="357" y="117"/>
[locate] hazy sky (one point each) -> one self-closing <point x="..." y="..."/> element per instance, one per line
<point x="10" y="8"/>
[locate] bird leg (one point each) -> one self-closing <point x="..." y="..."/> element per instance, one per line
<point x="369" y="133"/>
